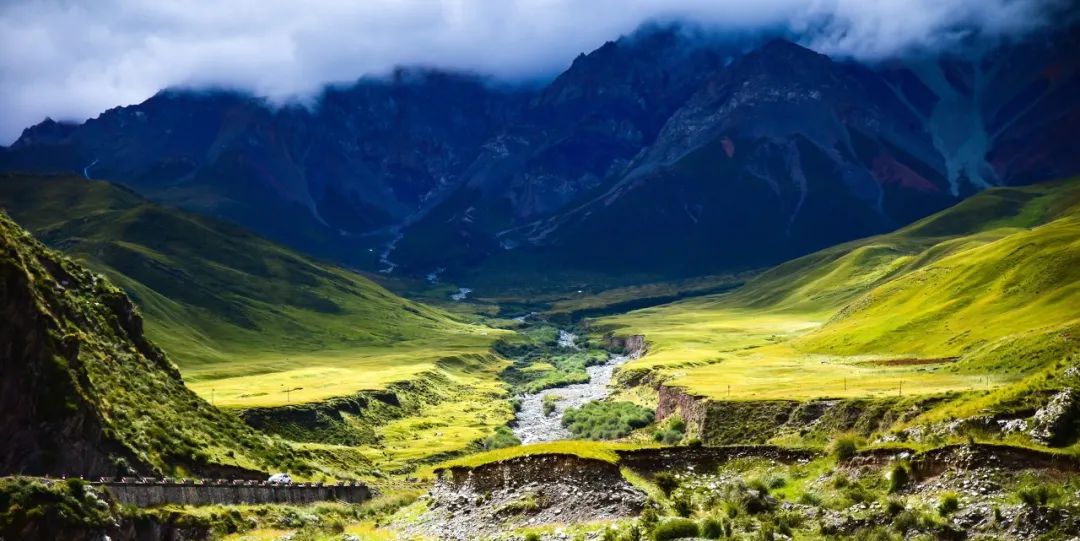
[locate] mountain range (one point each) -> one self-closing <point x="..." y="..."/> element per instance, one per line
<point x="664" y="151"/>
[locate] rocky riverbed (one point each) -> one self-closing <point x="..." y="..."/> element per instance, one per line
<point x="531" y="425"/>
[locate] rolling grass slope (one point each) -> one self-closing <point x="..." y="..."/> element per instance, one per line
<point x="981" y="295"/>
<point x="244" y="318"/>
<point x="84" y="391"/>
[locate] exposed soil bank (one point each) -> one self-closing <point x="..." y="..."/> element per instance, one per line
<point x="467" y="503"/>
<point x="705" y="459"/>
<point x="981" y="455"/>
<point x="730" y="422"/>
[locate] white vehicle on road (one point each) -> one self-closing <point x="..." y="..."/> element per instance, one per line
<point x="280" y="479"/>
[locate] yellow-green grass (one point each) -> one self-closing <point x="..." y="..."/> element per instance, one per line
<point x="599" y="450"/>
<point x="539" y="367"/>
<point x="979" y="296"/>
<point x="313" y="377"/>
<point x="244" y="318"/>
<point x="455" y="424"/>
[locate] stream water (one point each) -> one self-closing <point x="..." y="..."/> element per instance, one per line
<point x="531" y="425"/>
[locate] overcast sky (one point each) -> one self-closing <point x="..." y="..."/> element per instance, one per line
<point x="71" y="60"/>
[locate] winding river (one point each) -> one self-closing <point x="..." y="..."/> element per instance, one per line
<point x="531" y="425"/>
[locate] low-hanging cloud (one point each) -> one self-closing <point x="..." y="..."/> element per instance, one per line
<point x="70" y="60"/>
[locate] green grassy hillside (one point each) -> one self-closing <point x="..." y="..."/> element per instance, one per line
<point x="984" y="294"/>
<point x="85" y="392"/>
<point x="244" y="318"/>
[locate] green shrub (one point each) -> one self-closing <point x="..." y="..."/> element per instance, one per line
<point x="335" y="525"/>
<point x="532" y="536"/>
<point x="548" y="403"/>
<point x="948" y="504"/>
<point x="775" y="482"/>
<point x="668" y="437"/>
<point x="675" y="528"/>
<point x="503" y="437"/>
<point x="27" y="503"/>
<point x="632" y="533"/>
<point x="683" y="506"/>
<point x="526" y="504"/>
<point x="1037" y="496"/>
<point x="752" y="498"/>
<point x="649" y="517"/>
<point x="876" y="533"/>
<point x="666" y="481"/>
<point x="711" y="528"/>
<point x="894" y="507"/>
<point x="898" y="477"/>
<point x="606" y="420"/>
<point x="840" y="481"/>
<point x="672" y="431"/>
<point x="676" y="423"/>
<point x="844" y="447"/>
<point x="905" y="521"/>
<point x="857" y="493"/>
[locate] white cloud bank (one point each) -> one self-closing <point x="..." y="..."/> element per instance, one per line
<point x="73" y="59"/>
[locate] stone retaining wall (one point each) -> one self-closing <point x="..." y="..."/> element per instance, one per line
<point x="149" y="493"/>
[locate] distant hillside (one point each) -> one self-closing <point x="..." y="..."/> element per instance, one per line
<point x="984" y="294"/>
<point x="226" y="303"/>
<point x="85" y="392"/>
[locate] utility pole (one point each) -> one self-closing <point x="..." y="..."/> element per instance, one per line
<point x="288" y="394"/>
<point x="729" y="391"/>
<point x="901" y="392"/>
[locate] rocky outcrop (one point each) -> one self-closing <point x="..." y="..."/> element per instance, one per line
<point x="633" y="346"/>
<point x="971" y="456"/>
<point x="1057" y="421"/>
<point x="675" y="400"/>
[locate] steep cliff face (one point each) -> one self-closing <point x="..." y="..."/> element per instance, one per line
<point x="83" y="392"/>
<point x="49" y="422"/>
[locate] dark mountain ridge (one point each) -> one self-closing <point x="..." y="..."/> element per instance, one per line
<point x="659" y="150"/>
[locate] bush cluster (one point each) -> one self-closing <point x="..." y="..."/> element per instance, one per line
<point x="606" y="420"/>
<point x="548" y="403"/>
<point x="503" y="437"/>
<point x="672" y="431"/>
<point x="675" y="528"/>
<point x="844" y="447"/>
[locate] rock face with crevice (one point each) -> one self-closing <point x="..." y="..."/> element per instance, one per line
<point x="1058" y="420"/>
